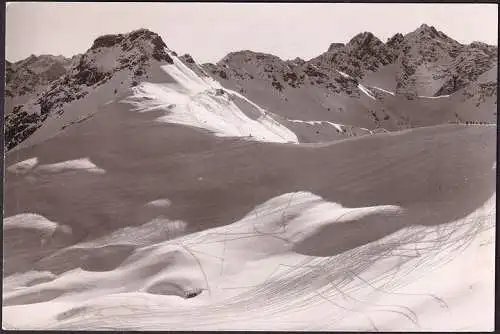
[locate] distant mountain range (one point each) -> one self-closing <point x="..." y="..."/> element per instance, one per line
<point x="419" y="79"/>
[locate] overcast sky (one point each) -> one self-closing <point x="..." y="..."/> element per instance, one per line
<point x="208" y="31"/>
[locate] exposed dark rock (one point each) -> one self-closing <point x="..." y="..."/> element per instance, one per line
<point x="192" y="294"/>
<point x="335" y="46"/>
<point x="107" y="41"/>
<point x="276" y="84"/>
<point x="89" y="77"/>
<point x="161" y="55"/>
<point x="188" y="59"/>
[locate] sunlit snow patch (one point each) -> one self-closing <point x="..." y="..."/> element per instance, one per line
<point x="162" y="202"/>
<point x="204" y="103"/>
<point x="434" y="97"/>
<point x="366" y="91"/>
<point x="78" y="164"/>
<point x="337" y="126"/>
<point x="345" y="75"/>
<point x="34" y="222"/>
<point x="24" y="166"/>
<point x="383" y="90"/>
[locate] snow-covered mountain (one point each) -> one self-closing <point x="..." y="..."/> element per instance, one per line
<point x="26" y="76"/>
<point x="353" y="89"/>
<point x="375" y="81"/>
<point x="139" y="68"/>
<point x="29" y="77"/>
<point x="146" y="191"/>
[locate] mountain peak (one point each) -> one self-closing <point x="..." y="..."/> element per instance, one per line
<point x="134" y="39"/>
<point x="364" y="39"/>
<point x="335" y="46"/>
<point x="248" y="55"/>
<point x="396" y="39"/>
<point x="429" y="32"/>
<point x="424" y="26"/>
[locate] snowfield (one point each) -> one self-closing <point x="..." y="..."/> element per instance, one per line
<point x="248" y="276"/>
<point x="286" y="260"/>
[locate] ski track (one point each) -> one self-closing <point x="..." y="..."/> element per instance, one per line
<point x="265" y="284"/>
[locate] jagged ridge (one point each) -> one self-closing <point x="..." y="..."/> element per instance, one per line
<point x="108" y="55"/>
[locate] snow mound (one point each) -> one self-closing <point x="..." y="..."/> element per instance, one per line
<point x="162" y="202"/>
<point x="203" y="103"/>
<point x="31" y="221"/>
<point x="24" y="166"/>
<point x="78" y="164"/>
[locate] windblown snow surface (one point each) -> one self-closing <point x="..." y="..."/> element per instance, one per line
<point x="249" y="277"/>
<point x="294" y="260"/>
<point x="136" y="220"/>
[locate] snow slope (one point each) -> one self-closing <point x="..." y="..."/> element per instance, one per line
<point x="140" y="69"/>
<point x="247" y="275"/>
<point x="314" y="237"/>
<point x="203" y="103"/>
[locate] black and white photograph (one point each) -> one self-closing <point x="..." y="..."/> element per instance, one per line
<point x="183" y="166"/>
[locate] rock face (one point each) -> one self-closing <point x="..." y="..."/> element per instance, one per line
<point x="133" y="52"/>
<point x="28" y="75"/>
<point x="25" y="80"/>
<point x="473" y="60"/>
